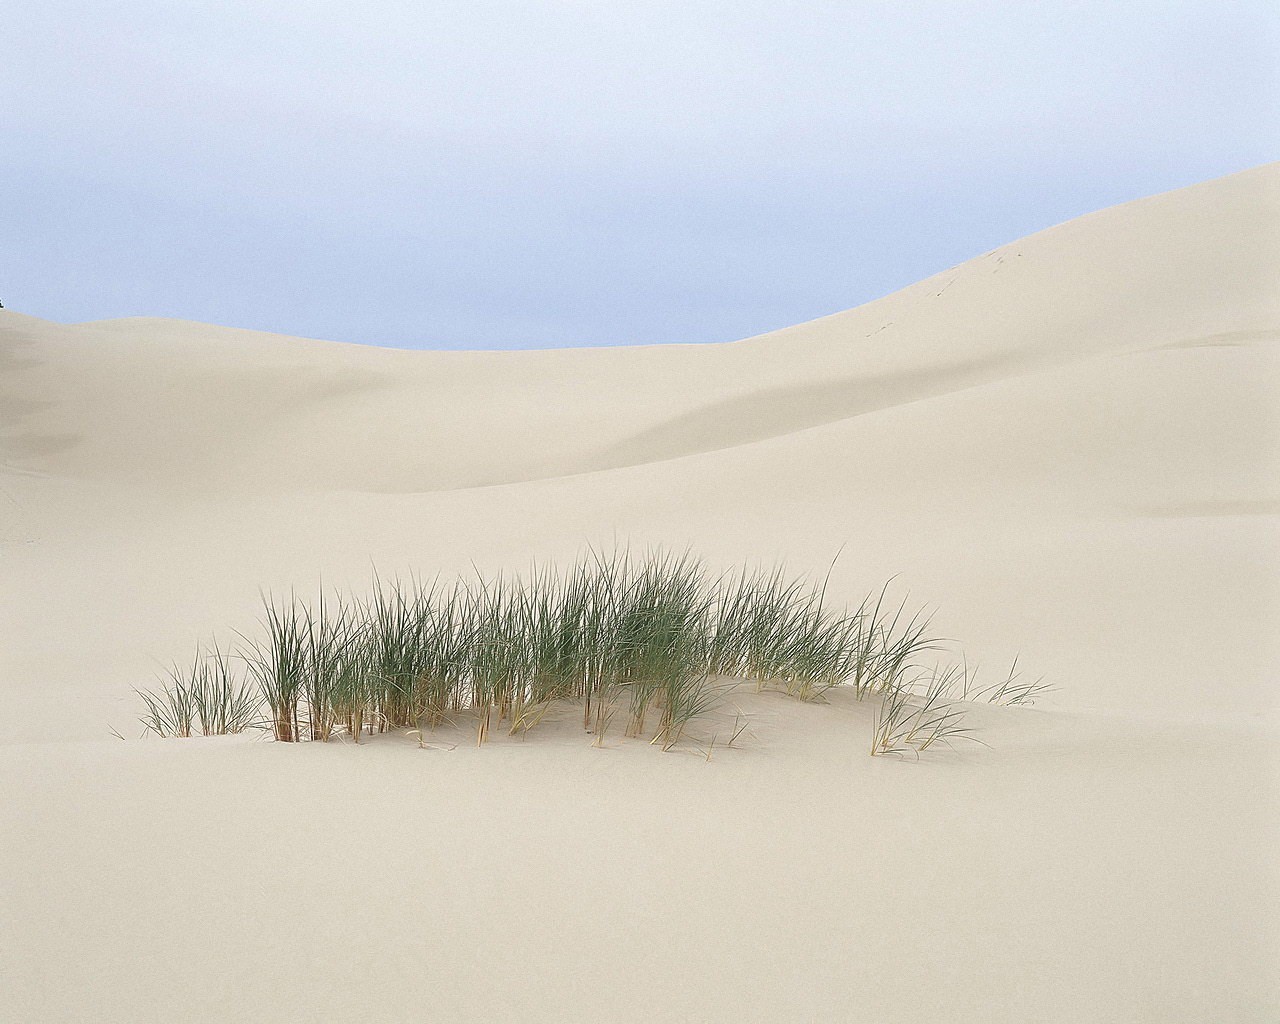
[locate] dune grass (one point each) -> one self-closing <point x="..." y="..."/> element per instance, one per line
<point x="645" y="644"/>
<point x="207" y="698"/>
<point x="913" y="718"/>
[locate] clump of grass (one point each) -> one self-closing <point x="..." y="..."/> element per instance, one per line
<point x="779" y="632"/>
<point x="225" y="704"/>
<point x="279" y="665"/>
<point x="206" y="698"/>
<point x="914" y="720"/>
<point x="172" y="710"/>
<point x="653" y="636"/>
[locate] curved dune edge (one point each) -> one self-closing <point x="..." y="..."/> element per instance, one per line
<point x="1188" y="268"/>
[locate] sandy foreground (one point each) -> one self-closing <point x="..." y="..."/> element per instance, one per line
<point x="1069" y="446"/>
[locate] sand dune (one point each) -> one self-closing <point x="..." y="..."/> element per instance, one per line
<point x="1069" y="445"/>
<point x="1188" y="268"/>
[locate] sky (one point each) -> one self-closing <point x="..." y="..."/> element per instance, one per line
<point x="546" y="174"/>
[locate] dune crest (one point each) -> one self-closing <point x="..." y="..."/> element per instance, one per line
<point x="1170" y="271"/>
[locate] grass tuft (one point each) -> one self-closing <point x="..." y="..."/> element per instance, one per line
<point x="652" y="637"/>
<point x="207" y="698"/>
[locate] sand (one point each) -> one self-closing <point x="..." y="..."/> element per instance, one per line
<point x="1069" y="446"/>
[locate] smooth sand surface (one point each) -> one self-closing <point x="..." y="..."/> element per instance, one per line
<point x="1070" y="446"/>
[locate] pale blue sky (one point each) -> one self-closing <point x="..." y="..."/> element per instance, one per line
<point x="505" y="175"/>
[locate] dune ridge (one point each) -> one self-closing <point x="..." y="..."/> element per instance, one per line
<point x="1169" y="270"/>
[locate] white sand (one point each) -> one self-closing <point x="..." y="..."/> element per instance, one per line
<point x="1069" y="445"/>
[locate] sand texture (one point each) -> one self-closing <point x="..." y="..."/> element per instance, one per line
<point x="1070" y="446"/>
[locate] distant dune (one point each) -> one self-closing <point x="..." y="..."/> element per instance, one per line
<point x="1069" y="445"/>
